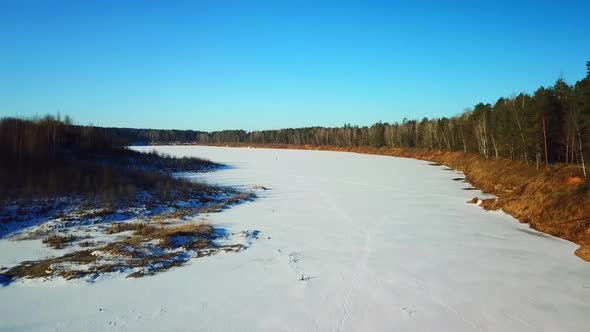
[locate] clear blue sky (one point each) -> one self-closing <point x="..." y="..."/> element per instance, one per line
<point x="210" y="65"/>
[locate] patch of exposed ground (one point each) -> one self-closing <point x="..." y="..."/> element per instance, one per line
<point x="148" y="250"/>
<point x="135" y="241"/>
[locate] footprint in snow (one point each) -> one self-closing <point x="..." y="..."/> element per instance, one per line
<point x="295" y="257"/>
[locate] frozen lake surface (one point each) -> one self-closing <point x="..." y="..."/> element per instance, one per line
<point x="382" y="243"/>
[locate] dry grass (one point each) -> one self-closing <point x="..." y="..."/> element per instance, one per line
<point x="157" y="244"/>
<point x="184" y="229"/>
<point x="59" y="241"/>
<point x="233" y="200"/>
<point x="154" y="231"/>
<point x="193" y="236"/>
<point x="198" y="235"/>
<point x="102" y="213"/>
<point x="87" y="244"/>
<point x="130" y="253"/>
<point x="44" y="268"/>
<point x="120" y="227"/>
<point x="177" y="214"/>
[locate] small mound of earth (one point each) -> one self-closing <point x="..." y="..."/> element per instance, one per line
<point x="259" y="188"/>
<point x="474" y="200"/>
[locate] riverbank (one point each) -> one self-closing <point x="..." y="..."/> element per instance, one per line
<point x="347" y="242"/>
<point x="78" y="204"/>
<point x="554" y="200"/>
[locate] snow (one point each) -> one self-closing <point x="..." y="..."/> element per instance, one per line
<point x="381" y="244"/>
<point x="14" y="252"/>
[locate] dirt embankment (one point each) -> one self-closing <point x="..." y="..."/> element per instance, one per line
<point x="554" y="200"/>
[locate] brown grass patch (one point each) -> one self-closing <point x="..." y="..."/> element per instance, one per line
<point x="197" y="235"/>
<point x="59" y="241"/>
<point x="136" y="251"/>
<point x="87" y="244"/>
<point x="157" y="244"/>
<point x="177" y="214"/>
<point x="234" y="199"/>
<point x="194" y="236"/>
<point x="43" y="268"/>
<point x="100" y="213"/>
<point x="120" y="227"/>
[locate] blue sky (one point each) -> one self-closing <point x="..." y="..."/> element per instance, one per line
<point x="209" y="65"/>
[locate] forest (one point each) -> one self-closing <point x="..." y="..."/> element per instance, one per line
<point x="49" y="157"/>
<point x="551" y="125"/>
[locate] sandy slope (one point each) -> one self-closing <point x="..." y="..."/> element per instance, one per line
<point x="388" y="244"/>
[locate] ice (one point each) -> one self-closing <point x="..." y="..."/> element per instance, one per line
<point x="347" y="242"/>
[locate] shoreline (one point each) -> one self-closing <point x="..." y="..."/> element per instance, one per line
<point x="555" y="200"/>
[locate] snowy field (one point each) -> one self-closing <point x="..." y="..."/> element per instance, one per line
<point x="347" y="242"/>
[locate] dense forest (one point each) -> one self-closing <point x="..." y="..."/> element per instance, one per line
<point x="551" y="125"/>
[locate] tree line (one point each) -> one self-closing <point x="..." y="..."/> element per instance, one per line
<point x="49" y="157"/>
<point x="551" y="125"/>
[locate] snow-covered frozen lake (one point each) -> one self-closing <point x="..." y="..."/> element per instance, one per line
<point x="384" y="244"/>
